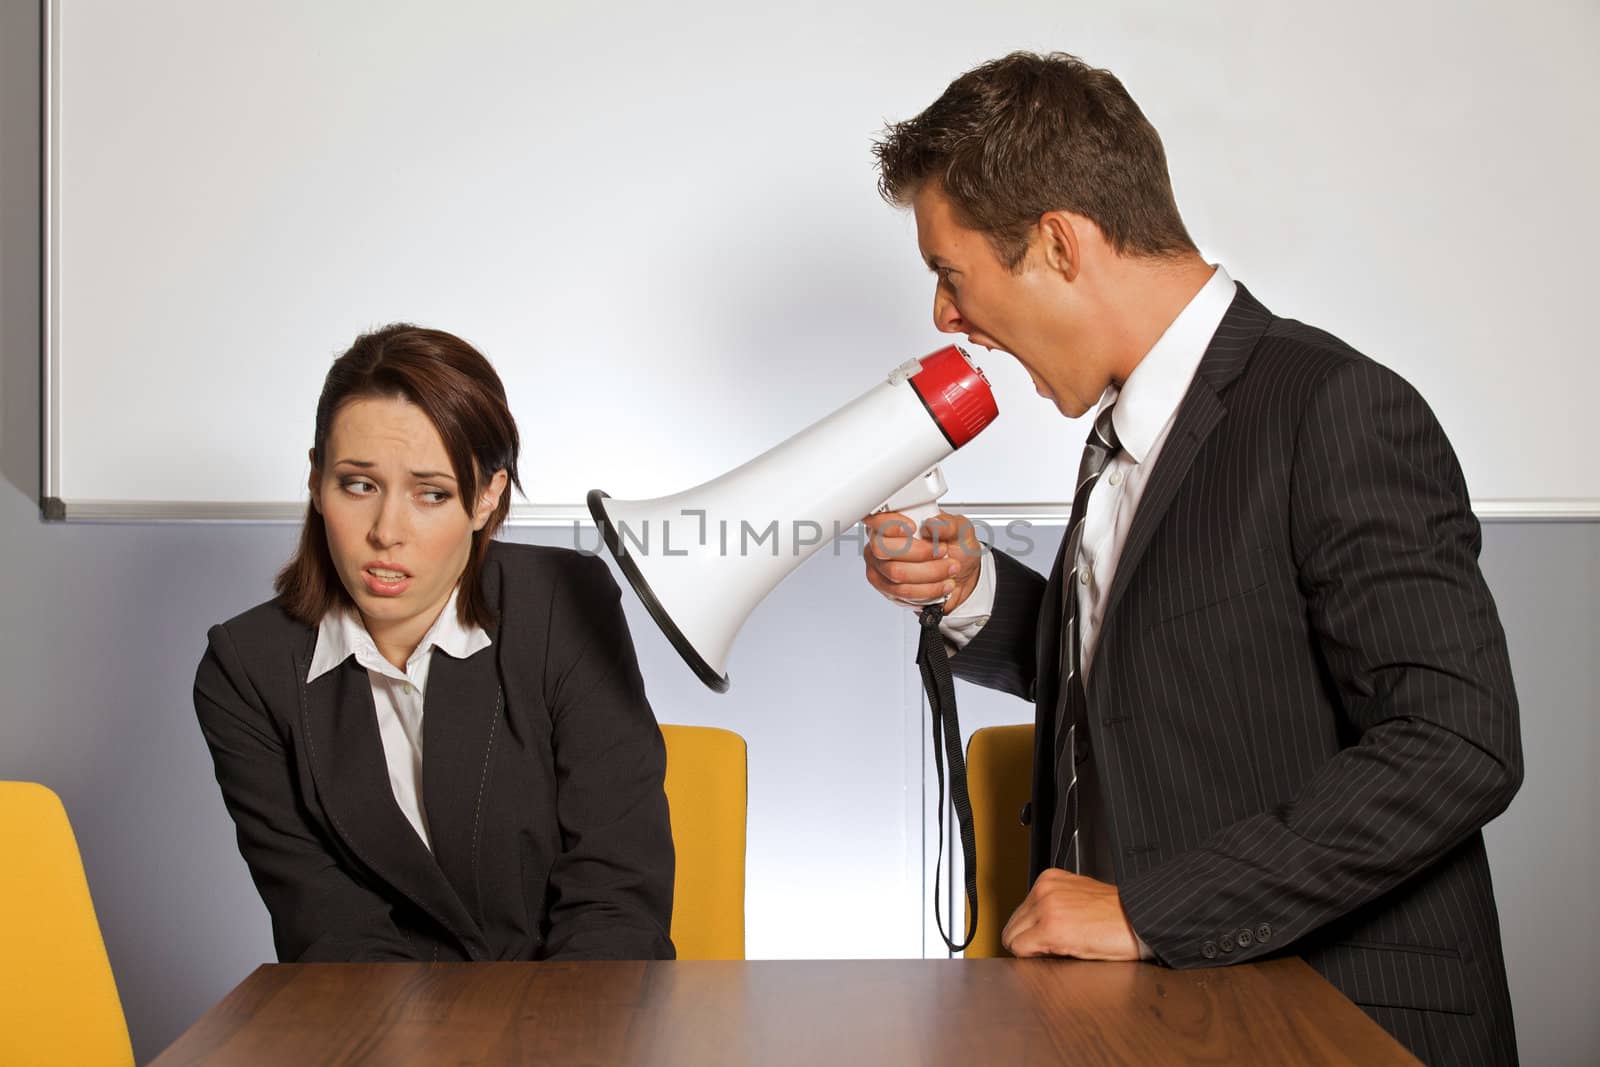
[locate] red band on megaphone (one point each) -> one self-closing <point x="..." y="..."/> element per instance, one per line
<point x="956" y="393"/>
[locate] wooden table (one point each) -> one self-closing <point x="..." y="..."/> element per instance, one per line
<point x="832" y="1013"/>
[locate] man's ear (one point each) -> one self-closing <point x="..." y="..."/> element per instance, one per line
<point x="314" y="482"/>
<point x="1058" y="243"/>
<point x="489" y="499"/>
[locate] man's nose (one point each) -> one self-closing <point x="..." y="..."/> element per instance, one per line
<point x="946" y="318"/>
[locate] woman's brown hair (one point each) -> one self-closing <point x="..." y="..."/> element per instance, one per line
<point x="459" y="391"/>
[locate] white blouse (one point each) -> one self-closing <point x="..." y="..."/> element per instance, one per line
<point x="397" y="695"/>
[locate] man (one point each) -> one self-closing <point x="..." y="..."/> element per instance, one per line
<point x="1273" y="704"/>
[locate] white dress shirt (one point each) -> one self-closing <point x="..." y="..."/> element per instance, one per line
<point x="1147" y="404"/>
<point x="397" y="695"/>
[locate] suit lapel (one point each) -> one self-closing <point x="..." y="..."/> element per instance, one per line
<point x="1047" y="663"/>
<point x="459" y="720"/>
<point x="352" y="780"/>
<point x="1047" y="683"/>
<point x="460" y="716"/>
<point x="1198" y="415"/>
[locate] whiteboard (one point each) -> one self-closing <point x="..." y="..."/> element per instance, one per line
<point x="660" y="222"/>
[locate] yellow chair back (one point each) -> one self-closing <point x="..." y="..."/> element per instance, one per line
<point x="999" y="782"/>
<point x="706" y="791"/>
<point x="58" y="1001"/>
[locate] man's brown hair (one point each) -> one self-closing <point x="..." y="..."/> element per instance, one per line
<point x="1029" y="133"/>
<point x="459" y="391"/>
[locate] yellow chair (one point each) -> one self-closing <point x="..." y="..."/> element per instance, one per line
<point x="999" y="782"/>
<point x="706" y="779"/>
<point x="58" y="1001"/>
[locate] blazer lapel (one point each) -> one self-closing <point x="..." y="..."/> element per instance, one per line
<point x="1198" y="415"/>
<point x="460" y="717"/>
<point x="352" y="781"/>
<point x="1047" y="683"/>
<point x="1047" y="654"/>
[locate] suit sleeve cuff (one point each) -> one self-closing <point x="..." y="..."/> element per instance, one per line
<point x="963" y="624"/>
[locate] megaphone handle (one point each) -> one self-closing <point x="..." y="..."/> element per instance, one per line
<point x="921" y="513"/>
<point x="919" y="499"/>
<point x="919" y="502"/>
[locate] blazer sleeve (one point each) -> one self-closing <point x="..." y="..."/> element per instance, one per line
<point x="319" y="912"/>
<point x="1002" y="654"/>
<point x="1386" y="547"/>
<point x="611" y="886"/>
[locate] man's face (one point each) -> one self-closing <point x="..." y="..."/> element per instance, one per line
<point x="1032" y="313"/>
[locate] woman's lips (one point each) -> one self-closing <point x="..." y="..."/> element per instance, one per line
<point x="384" y="581"/>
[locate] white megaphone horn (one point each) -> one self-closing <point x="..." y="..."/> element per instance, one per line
<point x="702" y="559"/>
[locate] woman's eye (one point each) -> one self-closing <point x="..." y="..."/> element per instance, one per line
<point x="434" y="496"/>
<point x="358" y="486"/>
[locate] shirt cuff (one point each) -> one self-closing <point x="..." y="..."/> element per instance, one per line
<point x="963" y="624"/>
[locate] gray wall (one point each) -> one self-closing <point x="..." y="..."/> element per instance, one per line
<point x="101" y="626"/>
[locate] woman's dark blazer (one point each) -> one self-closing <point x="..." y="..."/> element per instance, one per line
<point x="541" y="776"/>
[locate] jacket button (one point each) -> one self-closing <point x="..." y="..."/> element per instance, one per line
<point x="1263" y="932"/>
<point x="1025" y="817"/>
<point x="1209" y="950"/>
<point x="1226" y="942"/>
<point x="1244" y="937"/>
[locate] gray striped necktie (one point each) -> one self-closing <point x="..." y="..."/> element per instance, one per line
<point x="1072" y="712"/>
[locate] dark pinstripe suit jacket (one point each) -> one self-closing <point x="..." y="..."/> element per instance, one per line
<point x="1301" y="703"/>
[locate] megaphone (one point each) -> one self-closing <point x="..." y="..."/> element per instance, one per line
<point x="701" y="560"/>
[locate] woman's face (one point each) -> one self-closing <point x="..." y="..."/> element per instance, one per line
<point x="389" y="499"/>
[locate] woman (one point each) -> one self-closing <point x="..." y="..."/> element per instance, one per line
<point x="436" y="746"/>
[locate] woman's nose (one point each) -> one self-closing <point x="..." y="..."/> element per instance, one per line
<point x="388" y="526"/>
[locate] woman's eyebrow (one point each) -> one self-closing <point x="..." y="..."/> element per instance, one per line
<point x="367" y="464"/>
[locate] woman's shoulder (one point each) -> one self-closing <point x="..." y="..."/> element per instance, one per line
<point x="250" y="663"/>
<point x="264" y="630"/>
<point x="523" y="566"/>
<point x="530" y="586"/>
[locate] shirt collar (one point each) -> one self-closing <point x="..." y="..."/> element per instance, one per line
<point x="1149" y="399"/>
<point x="341" y="635"/>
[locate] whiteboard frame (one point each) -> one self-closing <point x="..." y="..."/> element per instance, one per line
<point x="555" y="515"/>
<point x="55" y="505"/>
<point x="51" y="503"/>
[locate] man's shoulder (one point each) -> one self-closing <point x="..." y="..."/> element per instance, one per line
<point x="1295" y="361"/>
<point x="1290" y="345"/>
